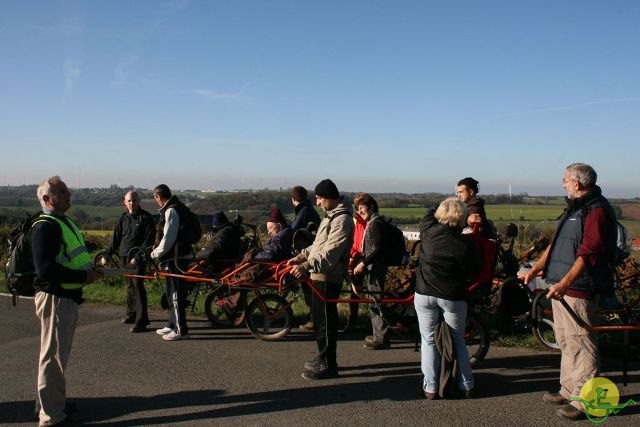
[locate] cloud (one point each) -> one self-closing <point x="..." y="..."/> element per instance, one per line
<point x="573" y="106"/>
<point x="216" y="96"/>
<point x="71" y="70"/>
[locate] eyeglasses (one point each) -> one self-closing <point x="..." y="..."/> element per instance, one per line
<point x="564" y="181"/>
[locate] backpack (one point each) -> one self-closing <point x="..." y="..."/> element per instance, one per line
<point x="19" y="271"/>
<point x="623" y="245"/>
<point x="395" y="249"/>
<point x="190" y="228"/>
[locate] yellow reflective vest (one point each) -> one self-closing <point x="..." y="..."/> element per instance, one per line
<point x="73" y="252"/>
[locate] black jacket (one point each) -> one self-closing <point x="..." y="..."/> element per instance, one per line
<point x="447" y="258"/>
<point x="132" y="230"/>
<point x="224" y="245"/>
<point x="305" y="213"/>
<point x="373" y="248"/>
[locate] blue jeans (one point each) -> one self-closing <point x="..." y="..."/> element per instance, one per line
<point x="428" y="309"/>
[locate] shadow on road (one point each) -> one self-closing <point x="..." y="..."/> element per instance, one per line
<point x="393" y="381"/>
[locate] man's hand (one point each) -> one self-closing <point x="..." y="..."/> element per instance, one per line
<point x="298" y="272"/>
<point x="528" y="276"/>
<point x="359" y="269"/>
<point x="133" y="262"/>
<point x="103" y="261"/>
<point x="557" y="291"/>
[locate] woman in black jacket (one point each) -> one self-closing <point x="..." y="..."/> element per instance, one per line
<point x="447" y="258"/>
<point x="374" y="268"/>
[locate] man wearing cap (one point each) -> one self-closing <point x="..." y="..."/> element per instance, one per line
<point x="467" y="191"/>
<point x="223" y="245"/>
<point x="277" y="248"/>
<point x="326" y="261"/>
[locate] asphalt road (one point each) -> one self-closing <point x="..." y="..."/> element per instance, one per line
<point x="228" y="377"/>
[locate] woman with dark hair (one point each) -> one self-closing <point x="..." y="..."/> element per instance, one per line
<point x="373" y="267"/>
<point x="447" y="258"/>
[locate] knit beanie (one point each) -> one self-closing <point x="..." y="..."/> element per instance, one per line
<point x="276" y="216"/>
<point x="327" y="189"/>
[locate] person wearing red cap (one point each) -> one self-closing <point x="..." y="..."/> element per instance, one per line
<point x="277" y="248"/>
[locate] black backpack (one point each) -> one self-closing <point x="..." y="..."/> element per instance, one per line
<point x="20" y="271"/>
<point x="189" y="230"/>
<point x="395" y="249"/>
<point x="190" y="226"/>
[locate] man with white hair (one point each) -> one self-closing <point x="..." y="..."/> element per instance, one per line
<point x="579" y="265"/>
<point x="63" y="266"/>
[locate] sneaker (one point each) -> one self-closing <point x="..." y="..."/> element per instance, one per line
<point x="572" y="413"/>
<point x="174" y="336"/>
<point x="554" y="399"/>
<point x="164" y="331"/>
<point x="376" y="345"/>
<point x="311" y="365"/>
<point x="369" y="338"/>
<point x="307" y="326"/>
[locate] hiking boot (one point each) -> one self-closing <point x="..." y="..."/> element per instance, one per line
<point x="554" y="399"/>
<point x="307" y="326"/>
<point x="321" y="371"/>
<point x="174" y="336"/>
<point x="572" y="413"/>
<point x="138" y="329"/>
<point x="164" y="331"/>
<point x="376" y="345"/>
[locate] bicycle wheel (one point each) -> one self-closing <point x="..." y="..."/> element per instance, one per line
<point x="477" y="339"/>
<point x="542" y="321"/>
<point x="215" y="312"/>
<point x="269" y="317"/>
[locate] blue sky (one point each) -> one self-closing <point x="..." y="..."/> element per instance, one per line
<point x="380" y="96"/>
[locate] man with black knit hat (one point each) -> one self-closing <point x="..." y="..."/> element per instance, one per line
<point x="467" y="191"/>
<point x="326" y="261"/>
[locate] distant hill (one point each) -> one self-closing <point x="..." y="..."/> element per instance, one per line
<point x="630" y="210"/>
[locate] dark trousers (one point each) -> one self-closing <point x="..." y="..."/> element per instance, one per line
<point x="378" y="312"/>
<point x="176" y="297"/>
<point x="325" y="321"/>
<point x="353" y="306"/>
<point x="136" y="296"/>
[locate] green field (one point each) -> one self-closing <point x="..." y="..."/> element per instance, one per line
<point x="494" y="212"/>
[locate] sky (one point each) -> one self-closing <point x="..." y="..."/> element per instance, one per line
<point x="380" y="96"/>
